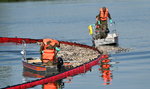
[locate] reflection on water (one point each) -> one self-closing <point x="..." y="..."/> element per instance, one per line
<point x="106" y="73"/>
<point x="59" y="84"/>
<point x="54" y="85"/>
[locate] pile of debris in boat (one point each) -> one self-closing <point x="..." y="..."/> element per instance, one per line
<point x="77" y="55"/>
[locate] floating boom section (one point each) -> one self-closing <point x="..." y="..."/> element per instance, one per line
<point x="18" y="40"/>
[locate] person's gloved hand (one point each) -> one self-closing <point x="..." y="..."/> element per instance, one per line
<point x="57" y="48"/>
<point x="99" y="22"/>
<point x="111" y="21"/>
<point x="42" y="51"/>
<point x="93" y="25"/>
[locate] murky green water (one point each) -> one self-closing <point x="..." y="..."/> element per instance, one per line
<point x="67" y="20"/>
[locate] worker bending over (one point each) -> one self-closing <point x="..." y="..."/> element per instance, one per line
<point x="49" y="49"/>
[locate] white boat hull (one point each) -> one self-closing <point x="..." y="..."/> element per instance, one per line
<point x="112" y="38"/>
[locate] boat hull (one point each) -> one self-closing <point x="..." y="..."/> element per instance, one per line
<point x="37" y="68"/>
<point x="111" y="39"/>
<point x="34" y="65"/>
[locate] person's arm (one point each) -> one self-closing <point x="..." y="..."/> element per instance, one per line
<point x="41" y="48"/>
<point x="109" y="16"/>
<point x="110" y="19"/>
<point x="97" y="17"/>
<point x="57" y="49"/>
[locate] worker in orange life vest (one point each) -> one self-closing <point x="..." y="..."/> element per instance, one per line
<point x="103" y="16"/>
<point x="49" y="50"/>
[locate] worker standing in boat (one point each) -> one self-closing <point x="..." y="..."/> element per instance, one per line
<point x="49" y="48"/>
<point x="103" y="16"/>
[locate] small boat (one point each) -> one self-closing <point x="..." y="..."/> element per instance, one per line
<point x="101" y="38"/>
<point x="34" y="64"/>
<point x="111" y="39"/>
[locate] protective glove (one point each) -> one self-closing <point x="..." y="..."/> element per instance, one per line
<point x="99" y="22"/>
<point x="111" y="21"/>
<point x="42" y="51"/>
<point x="92" y="25"/>
<point x="57" y="49"/>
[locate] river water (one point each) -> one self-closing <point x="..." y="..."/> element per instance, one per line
<point x="68" y="20"/>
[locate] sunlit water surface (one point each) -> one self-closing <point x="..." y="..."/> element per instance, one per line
<point x="67" y="20"/>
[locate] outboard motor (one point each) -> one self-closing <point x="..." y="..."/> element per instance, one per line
<point x="59" y="63"/>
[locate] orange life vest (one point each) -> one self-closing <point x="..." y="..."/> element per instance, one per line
<point x="103" y="15"/>
<point x="56" y="42"/>
<point x="48" y="54"/>
<point x="52" y="42"/>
